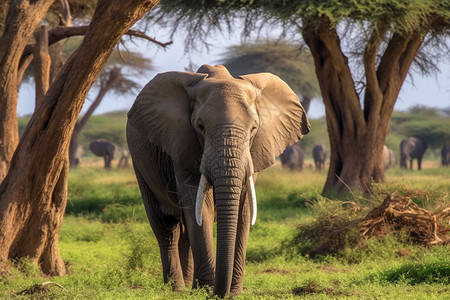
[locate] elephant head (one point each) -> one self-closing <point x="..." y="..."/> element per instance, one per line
<point x="225" y="129"/>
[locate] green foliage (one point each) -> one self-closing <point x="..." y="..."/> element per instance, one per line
<point x="405" y="14"/>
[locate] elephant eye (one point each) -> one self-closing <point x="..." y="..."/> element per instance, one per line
<point x="200" y="126"/>
<point x="254" y="128"/>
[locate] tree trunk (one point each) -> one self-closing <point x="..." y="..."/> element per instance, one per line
<point x="22" y="19"/>
<point x="33" y="199"/>
<point x="42" y="64"/>
<point x="357" y="135"/>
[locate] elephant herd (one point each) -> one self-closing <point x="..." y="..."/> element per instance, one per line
<point x="411" y="148"/>
<point x="293" y="157"/>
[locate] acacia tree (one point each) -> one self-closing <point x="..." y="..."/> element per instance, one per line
<point x="287" y="60"/>
<point x="383" y="37"/>
<point x="33" y="195"/>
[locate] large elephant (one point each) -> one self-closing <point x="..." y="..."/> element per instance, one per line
<point x="445" y="155"/>
<point x="410" y="148"/>
<point x="293" y="157"/>
<point x="319" y="153"/>
<point x="388" y="158"/>
<point x="105" y="149"/>
<point x="197" y="141"/>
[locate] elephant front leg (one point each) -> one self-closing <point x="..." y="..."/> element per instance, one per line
<point x="200" y="237"/>
<point x="167" y="230"/>
<point x="185" y="252"/>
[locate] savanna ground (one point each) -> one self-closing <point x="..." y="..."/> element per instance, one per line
<point x="111" y="253"/>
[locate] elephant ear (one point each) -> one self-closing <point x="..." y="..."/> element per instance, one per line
<point x="282" y="119"/>
<point x="161" y="112"/>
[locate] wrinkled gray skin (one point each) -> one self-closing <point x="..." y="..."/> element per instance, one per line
<point x="411" y="148"/>
<point x="293" y="157"/>
<point x="184" y="127"/>
<point x="105" y="149"/>
<point x="445" y="155"/>
<point x="388" y="158"/>
<point x="319" y="153"/>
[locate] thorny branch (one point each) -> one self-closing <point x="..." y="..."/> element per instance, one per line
<point x="61" y="32"/>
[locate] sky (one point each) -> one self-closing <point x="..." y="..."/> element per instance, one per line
<point x="432" y="91"/>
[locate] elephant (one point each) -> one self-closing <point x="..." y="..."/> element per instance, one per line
<point x="197" y="142"/>
<point x="388" y="158"/>
<point x="319" y="153"/>
<point x="104" y="148"/>
<point x="78" y="154"/>
<point x="410" y="148"/>
<point x="445" y="155"/>
<point x="293" y="157"/>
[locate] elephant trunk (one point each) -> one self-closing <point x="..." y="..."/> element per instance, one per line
<point x="226" y="166"/>
<point x="227" y="192"/>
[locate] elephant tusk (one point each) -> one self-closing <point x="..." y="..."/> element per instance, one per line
<point x="251" y="189"/>
<point x="201" y="194"/>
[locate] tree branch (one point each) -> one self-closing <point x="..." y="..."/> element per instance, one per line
<point x="373" y="97"/>
<point x="62" y="32"/>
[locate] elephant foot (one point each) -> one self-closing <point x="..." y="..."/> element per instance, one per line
<point x="198" y="283"/>
<point x="236" y="290"/>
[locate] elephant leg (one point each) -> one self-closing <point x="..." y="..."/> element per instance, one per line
<point x="200" y="237"/>
<point x="108" y="164"/>
<point x="243" y="230"/>
<point x="419" y="163"/>
<point x="185" y="252"/>
<point x="410" y="164"/>
<point x="167" y="230"/>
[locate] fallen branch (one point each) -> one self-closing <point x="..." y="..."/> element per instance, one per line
<point x="400" y="213"/>
<point x="41" y="288"/>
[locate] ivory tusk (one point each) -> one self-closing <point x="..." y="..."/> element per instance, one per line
<point x="251" y="189"/>
<point x="201" y="194"/>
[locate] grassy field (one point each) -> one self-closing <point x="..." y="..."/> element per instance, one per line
<point x="111" y="253"/>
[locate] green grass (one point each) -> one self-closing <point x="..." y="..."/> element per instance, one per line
<point x="111" y="252"/>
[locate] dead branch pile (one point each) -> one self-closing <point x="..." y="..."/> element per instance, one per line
<point x="398" y="213"/>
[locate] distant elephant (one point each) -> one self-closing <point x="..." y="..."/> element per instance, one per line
<point x="78" y="154"/>
<point x="104" y="148"/>
<point x="293" y="157"/>
<point x="410" y="148"/>
<point x="123" y="161"/>
<point x="388" y="158"/>
<point x="319" y="153"/>
<point x="445" y="155"/>
<point x="197" y="141"/>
